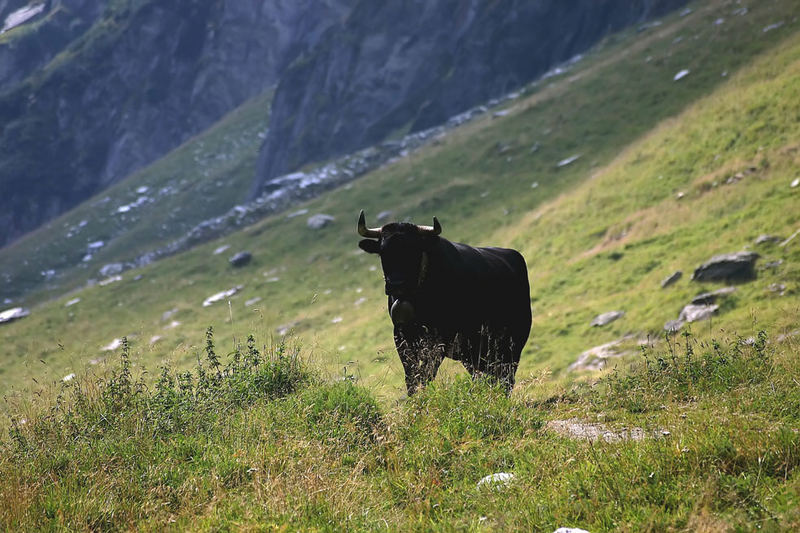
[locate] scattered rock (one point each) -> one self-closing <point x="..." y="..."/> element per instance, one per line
<point x="574" y="428"/>
<point x="252" y="301"/>
<point x="693" y="313"/>
<point x="779" y="288"/>
<point x="214" y="298"/>
<point x="568" y="161"/>
<point x="111" y="346"/>
<point x="383" y="215"/>
<point x="772" y="27"/>
<point x="109" y="281"/>
<point x="111" y="269"/>
<point x="673" y="325"/>
<point x="607" y="318"/>
<point x="725" y="267"/>
<point x="15" y="313"/>
<point x="672" y="278"/>
<point x="72" y="302"/>
<point x="240" y="259"/>
<point x="596" y="358"/>
<point x="282" y="330"/>
<point x="766" y="239"/>
<point x="172" y="325"/>
<point x="497" y="481"/>
<point x="68" y="377"/>
<point x="221" y="249"/>
<point x="319" y="221"/>
<point x="710" y="297"/>
<point x="96" y="245"/>
<point x="681" y="74"/>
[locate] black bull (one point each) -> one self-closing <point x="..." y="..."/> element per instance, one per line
<point x="448" y="299"/>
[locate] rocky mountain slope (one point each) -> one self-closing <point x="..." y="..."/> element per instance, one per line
<point x="144" y="78"/>
<point x="395" y="67"/>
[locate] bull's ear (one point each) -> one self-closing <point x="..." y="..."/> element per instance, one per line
<point x="370" y="246"/>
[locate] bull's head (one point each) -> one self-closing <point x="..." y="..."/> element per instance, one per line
<point x="403" y="249"/>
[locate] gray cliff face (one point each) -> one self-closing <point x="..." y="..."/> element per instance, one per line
<point x="142" y="80"/>
<point x="396" y="66"/>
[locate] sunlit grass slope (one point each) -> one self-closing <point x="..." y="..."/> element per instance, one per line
<point x="700" y="437"/>
<point x="598" y="234"/>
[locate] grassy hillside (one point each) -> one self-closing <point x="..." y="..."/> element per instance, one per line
<point x="698" y="437"/>
<point x="200" y="179"/>
<point x="599" y="234"/>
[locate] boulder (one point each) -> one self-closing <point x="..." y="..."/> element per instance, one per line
<point x="607" y="318"/>
<point x="672" y="278"/>
<point x="240" y="259"/>
<point x="319" y="221"/>
<point x="15" y="313"/>
<point x="711" y="297"/>
<point x="736" y="266"/>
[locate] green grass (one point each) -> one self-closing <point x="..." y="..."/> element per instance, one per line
<point x="598" y="234"/>
<point x="718" y="451"/>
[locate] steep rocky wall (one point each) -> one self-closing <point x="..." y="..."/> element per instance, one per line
<point x="405" y="66"/>
<point x="139" y="82"/>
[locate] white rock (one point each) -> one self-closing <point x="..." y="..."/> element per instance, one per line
<point x="214" y="298"/>
<point x="109" y="281"/>
<point x="155" y="338"/>
<point x="680" y="75"/>
<point x="22" y="15"/>
<point x="299" y="212"/>
<point x="570" y="530"/>
<point x="143" y="189"/>
<point x="172" y="325"/>
<point x="72" y="302"/>
<point x="221" y="249"/>
<point x="498" y="480"/>
<point x="795" y="183"/>
<point x="336" y="320"/>
<point x="252" y="301"/>
<point x="68" y="377"/>
<point x="568" y="161"/>
<point x="13" y="314"/>
<point x="772" y="27"/>
<point x="113" y="345"/>
<point x="360" y="301"/>
<point x="96" y="245"/>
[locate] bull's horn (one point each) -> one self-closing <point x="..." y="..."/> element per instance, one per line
<point x="436" y="229"/>
<point x="364" y="231"/>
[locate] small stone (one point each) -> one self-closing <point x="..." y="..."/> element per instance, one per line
<point x="15" y="313"/>
<point x="607" y="318"/>
<point x="570" y="530"/>
<point x="319" y="221"/>
<point x="214" y="298"/>
<point x="166" y="315"/>
<point x="111" y="269"/>
<point x="498" y="480"/>
<point x="111" y="346"/>
<point x="240" y="259"/>
<point x="673" y="325"/>
<point x="681" y="74"/>
<point x="568" y="161"/>
<point x="795" y="183"/>
<point x="779" y="288"/>
<point x="221" y="249"/>
<point x="72" y="302"/>
<point x="766" y="239"/>
<point x="155" y="338"/>
<point x="68" y="377"/>
<point x="109" y="281"/>
<point x="710" y="297"/>
<point x="252" y="301"/>
<point x="672" y="278"/>
<point x="694" y="313"/>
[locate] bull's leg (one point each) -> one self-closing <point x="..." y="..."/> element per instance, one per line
<point x="421" y="357"/>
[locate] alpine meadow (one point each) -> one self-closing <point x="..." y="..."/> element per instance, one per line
<point x="653" y="394"/>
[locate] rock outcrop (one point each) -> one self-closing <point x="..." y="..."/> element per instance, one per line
<point x="406" y="66"/>
<point x="146" y="76"/>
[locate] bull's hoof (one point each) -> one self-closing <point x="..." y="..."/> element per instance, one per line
<point x="402" y="312"/>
